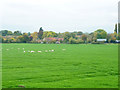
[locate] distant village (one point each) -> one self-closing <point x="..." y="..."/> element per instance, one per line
<point x="99" y="36"/>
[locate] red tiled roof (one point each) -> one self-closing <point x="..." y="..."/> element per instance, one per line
<point x="60" y="39"/>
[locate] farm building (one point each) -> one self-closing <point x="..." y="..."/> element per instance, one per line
<point x="101" y="40"/>
<point x="117" y="41"/>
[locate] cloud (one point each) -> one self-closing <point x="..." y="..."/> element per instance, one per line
<point x="59" y="15"/>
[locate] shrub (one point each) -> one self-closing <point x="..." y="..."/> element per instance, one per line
<point x="102" y="42"/>
<point x="44" y="42"/>
<point x="81" y="41"/>
<point x="72" y="41"/>
<point x="93" y="42"/>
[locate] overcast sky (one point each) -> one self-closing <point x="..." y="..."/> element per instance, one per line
<point x="58" y="15"/>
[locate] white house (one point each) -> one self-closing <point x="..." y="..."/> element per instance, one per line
<point x="118" y="41"/>
<point x="101" y="40"/>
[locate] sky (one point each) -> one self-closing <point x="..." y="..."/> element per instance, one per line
<point x="58" y="15"/>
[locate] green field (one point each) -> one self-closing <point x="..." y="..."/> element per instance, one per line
<point x="77" y="66"/>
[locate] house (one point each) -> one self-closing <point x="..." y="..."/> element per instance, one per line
<point x="101" y="40"/>
<point x="78" y="36"/>
<point x="60" y="39"/>
<point x="117" y="41"/>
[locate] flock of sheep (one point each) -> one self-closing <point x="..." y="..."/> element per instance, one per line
<point x="40" y="51"/>
<point x="31" y="51"/>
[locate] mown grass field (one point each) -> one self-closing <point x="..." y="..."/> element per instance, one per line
<point x="77" y="66"/>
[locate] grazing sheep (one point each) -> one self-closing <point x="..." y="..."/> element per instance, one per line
<point x="63" y="49"/>
<point x="32" y="51"/>
<point x="52" y="50"/>
<point x="24" y="51"/>
<point x="39" y="51"/>
<point x="46" y="50"/>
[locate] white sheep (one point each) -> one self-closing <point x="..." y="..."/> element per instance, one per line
<point x="63" y="49"/>
<point x="39" y="51"/>
<point x="46" y="50"/>
<point x="32" y="51"/>
<point x="24" y="51"/>
<point x="52" y="50"/>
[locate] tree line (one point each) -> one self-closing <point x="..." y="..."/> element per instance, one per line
<point x="76" y="37"/>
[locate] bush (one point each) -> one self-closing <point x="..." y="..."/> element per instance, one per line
<point x="81" y="41"/>
<point x="52" y="41"/>
<point x="44" y="42"/>
<point x="102" y="42"/>
<point x="93" y="42"/>
<point x="72" y="41"/>
<point x="1" y="40"/>
<point x="61" y="41"/>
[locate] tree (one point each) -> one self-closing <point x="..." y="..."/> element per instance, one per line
<point x="115" y="28"/>
<point x="49" y="34"/>
<point x="25" y="38"/>
<point x="35" y="36"/>
<point x="9" y="33"/>
<point x="19" y="39"/>
<point x="112" y="38"/>
<point x="44" y="34"/>
<point x="4" y="32"/>
<point x="79" y="33"/>
<point x="100" y="34"/>
<point x="108" y="37"/>
<point x="29" y="33"/>
<point x="60" y="35"/>
<point x="72" y="40"/>
<point x="40" y="33"/>
<point x="31" y="38"/>
<point x="118" y="36"/>
<point x="84" y="37"/>
<point x="1" y="39"/>
<point x="17" y="33"/>
<point x="79" y="41"/>
<point x="11" y="40"/>
<point x="67" y="36"/>
<point x="118" y="27"/>
<point x="5" y="40"/>
<point x="72" y="35"/>
<point x="89" y="38"/>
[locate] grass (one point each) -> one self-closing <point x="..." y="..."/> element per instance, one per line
<point x="79" y="66"/>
